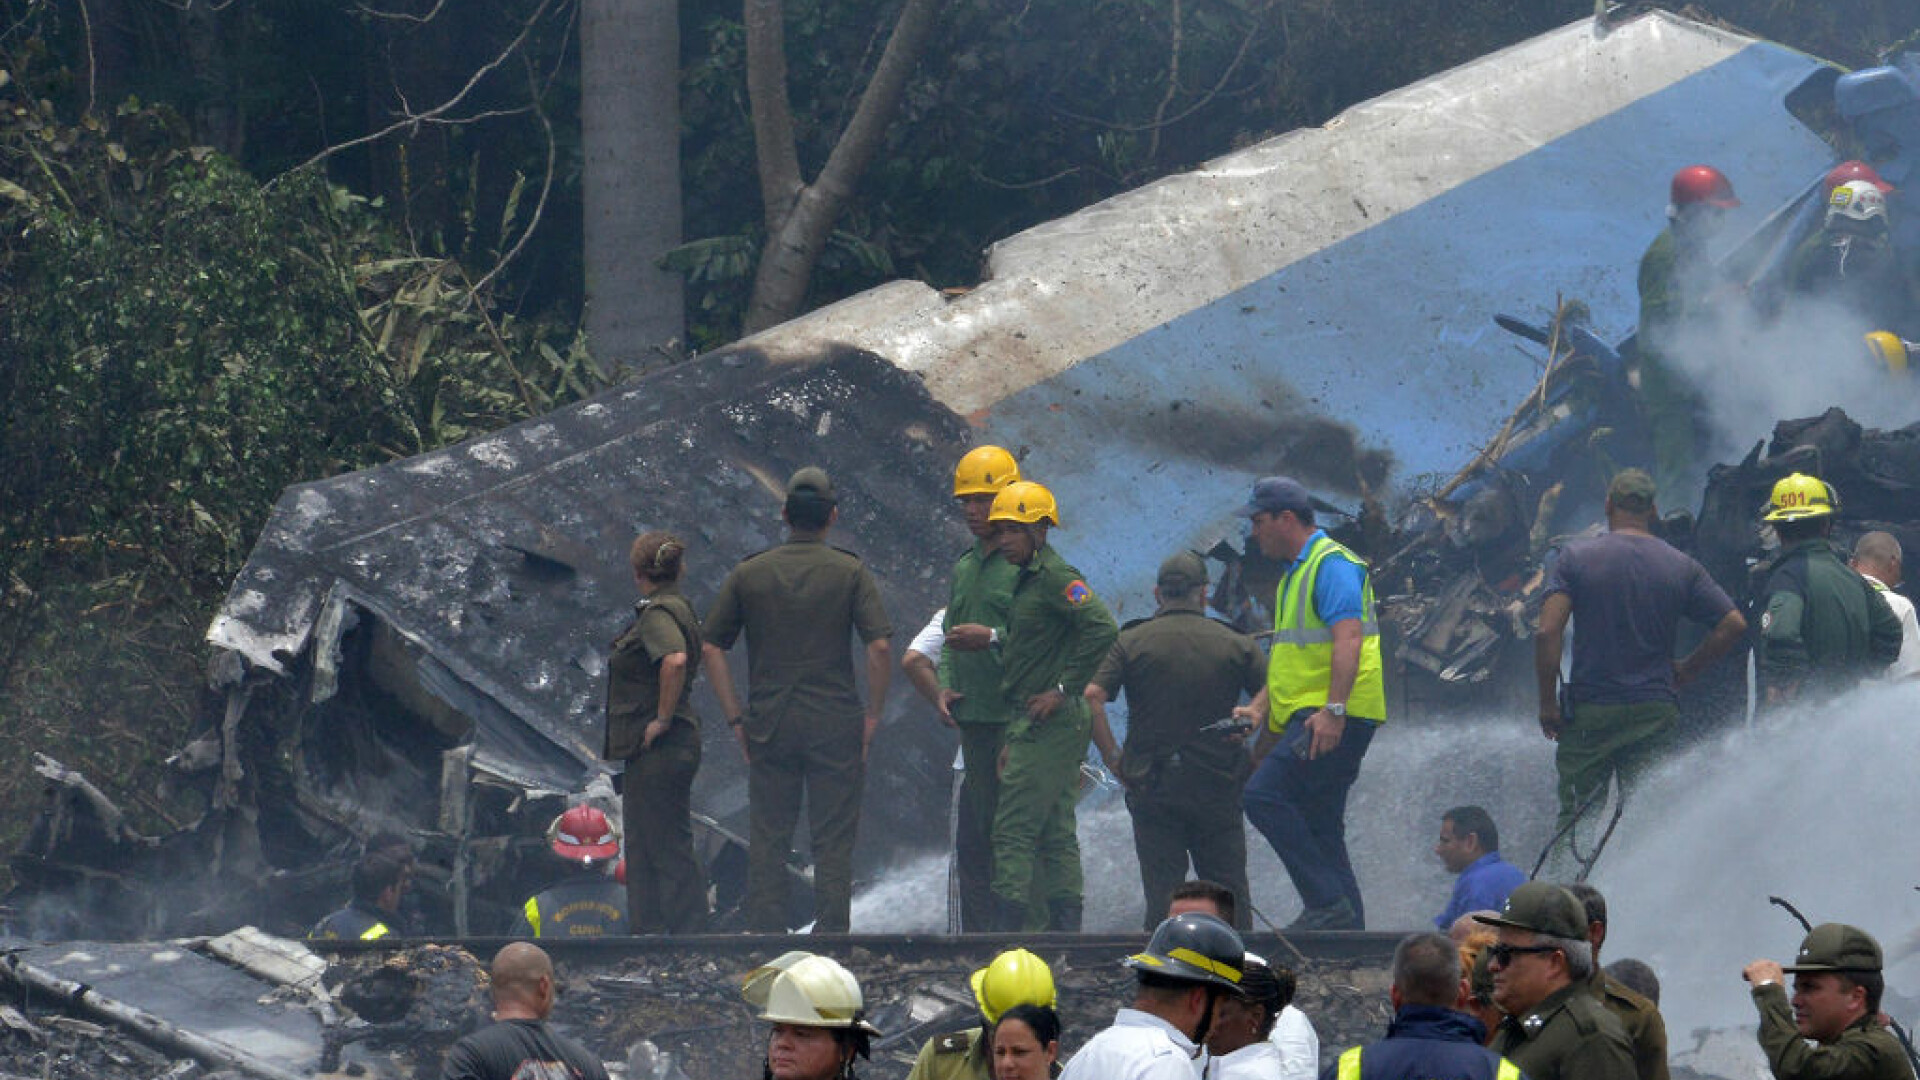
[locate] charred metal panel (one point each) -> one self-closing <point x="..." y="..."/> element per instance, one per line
<point x="503" y="559"/>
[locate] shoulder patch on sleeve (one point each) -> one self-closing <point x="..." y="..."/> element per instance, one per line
<point x="957" y="1042"/>
<point x="1077" y="592"/>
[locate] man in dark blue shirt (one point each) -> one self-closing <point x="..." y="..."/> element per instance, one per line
<point x="1469" y="845"/>
<point x="1626" y="591"/>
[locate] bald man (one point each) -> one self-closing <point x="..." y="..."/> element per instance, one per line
<point x="1877" y="557"/>
<point x="518" y="1044"/>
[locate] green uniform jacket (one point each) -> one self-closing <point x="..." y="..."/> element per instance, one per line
<point x="799" y="604"/>
<point x="1569" y="1036"/>
<point x="1865" y="1051"/>
<point x="957" y="1055"/>
<point x="1646" y="1028"/>
<point x="663" y="624"/>
<point x="1057" y="634"/>
<point x="1824" y="620"/>
<point x="982" y="592"/>
<point x="1181" y="671"/>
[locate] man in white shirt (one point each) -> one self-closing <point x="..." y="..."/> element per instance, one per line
<point x="1191" y="963"/>
<point x="1876" y="557"/>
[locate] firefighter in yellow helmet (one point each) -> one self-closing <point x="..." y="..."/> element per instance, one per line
<point x="1015" y="977"/>
<point x="1889" y="351"/>
<point x="978" y="599"/>
<point x="818" y="1014"/>
<point x="1057" y="633"/>
<point x="1824" y="628"/>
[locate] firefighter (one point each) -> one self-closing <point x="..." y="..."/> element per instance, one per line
<point x="380" y="879"/>
<point x="818" y="1015"/>
<point x="1190" y="964"/>
<point x="588" y="902"/>
<point x="1824" y="628"/>
<point x="1679" y="284"/>
<point x="1058" y="631"/>
<point x="970" y="668"/>
<point x="1015" y="977"/>
<point x="1851" y="264"/>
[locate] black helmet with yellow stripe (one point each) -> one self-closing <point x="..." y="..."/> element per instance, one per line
<point x="1193" y="948"/>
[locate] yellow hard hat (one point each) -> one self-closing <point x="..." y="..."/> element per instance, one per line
<point x="1799" y="496"/>
<point x="808" y="990"/>
<point x="1025" y="502"/>
<point x="1889" y="350"/>
<point x="984" y="470"/>
<point x="1016" y="977"/>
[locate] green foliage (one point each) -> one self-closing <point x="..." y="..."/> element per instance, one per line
<point x="180" y="343"/>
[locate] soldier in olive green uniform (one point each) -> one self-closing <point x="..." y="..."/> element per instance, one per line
<point x="1182" y="672"/>
<point x="1015" y="977"/>
<point x="1832" y="1030"/>
<point x="1646" y="1028"/>
<point x="652" y="728"/>
<point x="1057" y="634"/>
<point x="1555" y="1029"/>
<point x="803" y="732"/>
<point x="970" y="674"/>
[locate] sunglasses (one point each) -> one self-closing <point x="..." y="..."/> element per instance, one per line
<point x="1504" y="954"/>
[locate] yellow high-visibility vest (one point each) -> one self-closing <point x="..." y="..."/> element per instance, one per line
<point x="1301" y="662"/>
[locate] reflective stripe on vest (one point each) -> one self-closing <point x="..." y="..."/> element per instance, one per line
<point x="375" y="932"/>
<point x="532" y="912"/>
<point x="1350" y="1067"/>
<point x="1300" y="665"/>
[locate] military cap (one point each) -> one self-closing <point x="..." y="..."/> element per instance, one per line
<point x="811" y="480"/>
<point x="1632" y="489"/>
<point x="1183" y="571"/>
<point x="1836" y="947"/>
<point x="1543" y="908"/>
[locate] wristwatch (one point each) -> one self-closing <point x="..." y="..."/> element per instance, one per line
<point x="1337" y="708"/>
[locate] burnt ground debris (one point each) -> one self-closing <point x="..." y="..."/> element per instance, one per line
<point x="684" y="997"/>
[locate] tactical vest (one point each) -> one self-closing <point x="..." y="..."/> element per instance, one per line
<point x="1301" y="662"/>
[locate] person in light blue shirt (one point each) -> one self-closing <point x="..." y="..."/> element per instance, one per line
<point x="1469" y="845"/>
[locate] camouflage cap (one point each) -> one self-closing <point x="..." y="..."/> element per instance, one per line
<point x="1836" y="947"/>
<point x="1543" y="908"/>
<point x="1182" y="571"/>
<point x="811" y="480"/>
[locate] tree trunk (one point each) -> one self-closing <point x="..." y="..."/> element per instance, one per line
<point x="800" y="216"/>
<point x="630" y="128"/>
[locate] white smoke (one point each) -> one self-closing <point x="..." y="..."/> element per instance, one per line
<point x="1815" y="805"/>
<point x="1752" y="370"/>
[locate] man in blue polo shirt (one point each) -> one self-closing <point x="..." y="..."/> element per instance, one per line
<point x="1470" y="846"/>
<point x="1323" y="701"/>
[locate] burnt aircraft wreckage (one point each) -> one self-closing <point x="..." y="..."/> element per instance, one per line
<point x="420" y="648"/>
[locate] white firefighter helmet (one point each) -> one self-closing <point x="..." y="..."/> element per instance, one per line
<point x="808" y="990"/>
<point x="1857" y="200"/>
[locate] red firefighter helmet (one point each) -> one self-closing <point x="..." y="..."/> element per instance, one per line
<point x="583" y="834"/>
<point x="1702" y="184"/>
<point x="1852" y="170"/>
